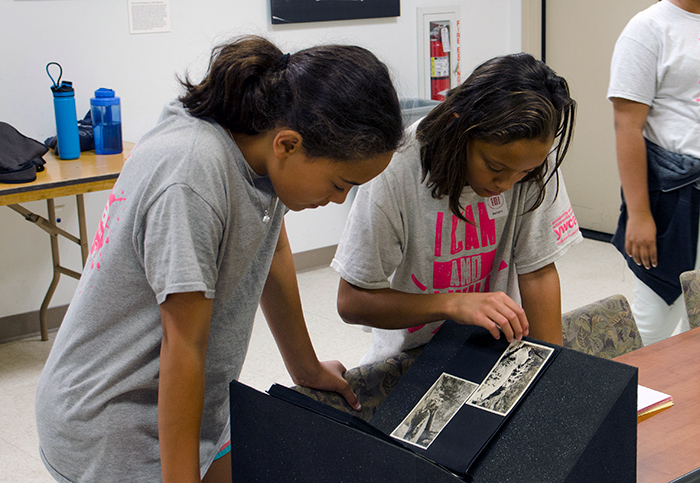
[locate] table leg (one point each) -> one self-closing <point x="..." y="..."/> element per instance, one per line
<point x="54" y="231"/>
<point x="55" y="257"/>
<point x="84" y="249"/>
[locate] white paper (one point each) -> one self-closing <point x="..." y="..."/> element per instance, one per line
<point x="149" y="16"/>
<point x="647" y="397"/>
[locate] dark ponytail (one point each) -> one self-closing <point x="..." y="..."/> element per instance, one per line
<point x="238" y="90"/>
<point x="339" y="98"/>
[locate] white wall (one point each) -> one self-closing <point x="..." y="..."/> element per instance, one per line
<point x="91" y="40"/>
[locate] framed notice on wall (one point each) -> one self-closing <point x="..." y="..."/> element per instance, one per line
<point x="149" y="16"/>
<point x="296" y="11"/>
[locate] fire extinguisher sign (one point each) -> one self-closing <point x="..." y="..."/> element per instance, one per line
<point x="440" y="67"/>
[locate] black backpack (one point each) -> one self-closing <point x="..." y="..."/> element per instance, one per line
<point x="20" y="156"/>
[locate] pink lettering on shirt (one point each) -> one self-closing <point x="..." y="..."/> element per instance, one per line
<point x="469" y="271"/>
<point x="474" y="235"/>
<point x="438" y="234"/>
<point x="465" y="273"/>
<point x="418" y="283"/>
<point x="469" y="266"/>
<point x="456" y="245"/>
<point x="565" y="226"/>
<point x="471" y="237"/>
<point x="487" y="231"/>
<point x="411" y="330"/>
<point x="487" y="227"/>
<point x="102" y="235"/>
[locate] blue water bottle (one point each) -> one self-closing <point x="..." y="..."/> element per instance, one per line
<point x="106" y="122"/>
<point x="67" y="138"/>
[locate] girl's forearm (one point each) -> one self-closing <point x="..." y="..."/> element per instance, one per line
<point x="281" y="305"/>
<point x="388" y="308"/>
<point x="186" y="320"/>
<point x="391" y="309"/>
<point x="541" y="296"/>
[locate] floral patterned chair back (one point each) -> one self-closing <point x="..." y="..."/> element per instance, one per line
<point x="605" y="328"/>
<point x="372" y="383"/>
<point x="690" y="282"/>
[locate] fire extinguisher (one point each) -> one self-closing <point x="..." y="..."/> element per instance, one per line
<point x="439" y="63"/>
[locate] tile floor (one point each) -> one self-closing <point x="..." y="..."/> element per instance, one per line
<point x="590" y="271"/>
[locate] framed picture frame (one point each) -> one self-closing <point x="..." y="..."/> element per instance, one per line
<point x="298" y="11"/>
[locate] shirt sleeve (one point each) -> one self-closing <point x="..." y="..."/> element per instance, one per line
<point x="371" y="246"/>
<point x="181" y="238"/>
<point x="548" y="231"/>
<point x="633" y="65"/>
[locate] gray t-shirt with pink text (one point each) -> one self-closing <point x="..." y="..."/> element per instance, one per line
<point x="398" y="236"/>
<point x="182" y="217"/>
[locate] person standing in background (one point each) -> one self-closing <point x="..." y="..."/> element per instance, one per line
<point x="655" y="92"/>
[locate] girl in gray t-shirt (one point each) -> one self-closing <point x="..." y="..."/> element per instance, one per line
<point x="469" y="218"/>
<point x="191" y="240"/>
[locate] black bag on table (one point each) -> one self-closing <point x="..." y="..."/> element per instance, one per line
<point x="20" y="156"/>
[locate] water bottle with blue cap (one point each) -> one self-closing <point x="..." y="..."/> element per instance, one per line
<point x="106" y="122"/>
<point x="67" y="138"/>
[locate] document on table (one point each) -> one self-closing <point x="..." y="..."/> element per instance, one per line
<point x="651" y="401"/>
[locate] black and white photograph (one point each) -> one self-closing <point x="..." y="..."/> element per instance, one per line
<point x="510" y="377"/>
<point x="435" y="409"/>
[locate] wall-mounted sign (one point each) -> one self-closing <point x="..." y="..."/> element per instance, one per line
<point x="149" y="16"/>
<point x="295" y="11"/>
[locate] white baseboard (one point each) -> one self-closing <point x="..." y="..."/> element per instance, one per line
<point x="23" y="326"/>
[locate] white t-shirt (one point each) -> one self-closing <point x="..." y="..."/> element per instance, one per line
<point x="657" y="62"/>
<point x="398" y="236"/>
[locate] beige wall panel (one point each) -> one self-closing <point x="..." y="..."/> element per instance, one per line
<point x="580" y="37"/>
